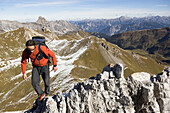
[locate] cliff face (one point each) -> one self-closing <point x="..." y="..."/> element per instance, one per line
<point x="109" y="92"/>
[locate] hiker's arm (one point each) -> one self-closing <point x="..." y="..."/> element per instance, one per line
<point x="24" y="61"/>
<point x="48" y="52"/>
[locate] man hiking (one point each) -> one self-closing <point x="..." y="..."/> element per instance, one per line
<point x="40" y="62"/>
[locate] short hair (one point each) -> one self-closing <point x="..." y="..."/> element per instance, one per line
<point x="30" y="43"/>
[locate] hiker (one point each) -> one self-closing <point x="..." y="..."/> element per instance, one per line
<point x="116" y="69"/>
<point x="40" y="62"/>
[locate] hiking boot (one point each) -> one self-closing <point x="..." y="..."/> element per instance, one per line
<point x="42" y="97"/>
<point x="46" y="96"/>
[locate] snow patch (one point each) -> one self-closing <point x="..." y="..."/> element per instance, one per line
<point x="20" y="75"/>
<point x="65" y="81"/>
<point x="7" y="64"/>
<point x="83" y="67"/>
<point x="24" y="98"/>
<point x="65" y="63"/>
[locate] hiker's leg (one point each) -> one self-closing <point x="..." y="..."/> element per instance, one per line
<point x="46" y="78"/>
<point x="36" y="81"/>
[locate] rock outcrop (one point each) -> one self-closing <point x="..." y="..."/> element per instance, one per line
<point x="41" y="20"/>
<point x="110" y="92"/>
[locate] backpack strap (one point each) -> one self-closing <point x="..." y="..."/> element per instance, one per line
<point x="28" y="54"/>
<point x="44" y="55"/>
<point x="39" y="48"/>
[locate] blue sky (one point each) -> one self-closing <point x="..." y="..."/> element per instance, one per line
<point x="30" y="10"/>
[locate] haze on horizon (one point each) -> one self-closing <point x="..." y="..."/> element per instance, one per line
<point x="24" y="10"/>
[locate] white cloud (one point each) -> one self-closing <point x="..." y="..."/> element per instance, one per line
<point x="47" y="3"/>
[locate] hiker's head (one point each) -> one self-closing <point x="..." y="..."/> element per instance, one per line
<point x="30" y="45"/>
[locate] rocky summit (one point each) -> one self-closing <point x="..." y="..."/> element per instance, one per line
<point x="110" y="92"/>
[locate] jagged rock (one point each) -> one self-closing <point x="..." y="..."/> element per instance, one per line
<point x="51" y="106"/>
<point x="162" y="90"/>
<point x="141" y="76"/>
<point x="114" y="71"/>
<point x="109" y="93"/>
<point x="41" y="20"/>
<point x="61" y="104"/>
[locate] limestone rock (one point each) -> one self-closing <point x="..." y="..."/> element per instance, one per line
<point x="109" y="92"/>
<point x="141" y="76"/>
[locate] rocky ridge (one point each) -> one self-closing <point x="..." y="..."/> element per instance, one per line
<point x="59" y="26"/>
<point x="110" y="92"/>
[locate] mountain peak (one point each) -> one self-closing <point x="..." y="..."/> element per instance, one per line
<point x="41" y="20"/>
<point x="125" y="17"/>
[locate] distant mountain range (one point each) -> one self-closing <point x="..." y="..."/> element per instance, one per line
<point x="123" y="24"/>
<point x="156" y="41"/>
<point x="59" y="26"/>
<point x="134" y="33"/>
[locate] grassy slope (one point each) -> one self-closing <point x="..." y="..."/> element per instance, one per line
<point x="13" y="43"/>
<point x="72" y="36"/>
<point x="92" y="60"/>
<point x="135" y="62"/>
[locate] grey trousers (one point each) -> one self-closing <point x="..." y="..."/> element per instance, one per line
<point x="44" y="72"/>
